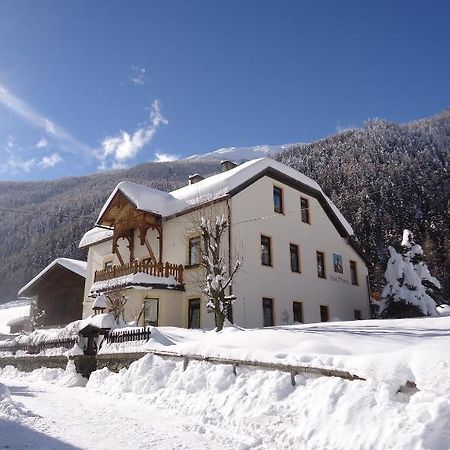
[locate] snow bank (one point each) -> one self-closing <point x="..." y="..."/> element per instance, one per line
<point x="262" y="409"/>
<point x="67" y="377"/>
<point x="8" y="409"/>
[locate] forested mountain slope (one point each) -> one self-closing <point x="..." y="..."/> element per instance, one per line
<point x="385" y="177"/>
<point x="55" y="214"/>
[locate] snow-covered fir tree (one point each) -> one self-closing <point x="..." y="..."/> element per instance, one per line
<point x="217" y="280"/>
<point x="410" y="288"/>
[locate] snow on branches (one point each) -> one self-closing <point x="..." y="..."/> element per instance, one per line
<point x="409" y="287"/>
<point x="217" y="280"/>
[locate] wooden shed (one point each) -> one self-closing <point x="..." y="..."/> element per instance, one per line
<point x="58" y="290"/>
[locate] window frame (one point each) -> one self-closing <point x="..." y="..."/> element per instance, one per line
<point x="326" y="309"/>
<point x="197" y="300"/>
<point x="268" y="300"/>
<point x="299" y="308"/>
<point x="305" y="212"/>
<point x="279" y="191"/>
<point x="297" y="253"/>
<point x="354" y="273"/>
<point x="157" y="311"/>
<point x="199" y="238"/>
<point x="322" y="275"/>
<point x="270" y="261"/>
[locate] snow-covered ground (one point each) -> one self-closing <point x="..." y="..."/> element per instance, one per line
<point x="404" y="403"/>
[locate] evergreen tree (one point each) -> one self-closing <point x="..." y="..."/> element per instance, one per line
<point x="410" y="289"/>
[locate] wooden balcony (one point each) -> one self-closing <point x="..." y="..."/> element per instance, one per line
<point x="151" y="268"/>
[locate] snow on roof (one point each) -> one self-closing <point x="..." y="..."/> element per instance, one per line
<point x="100" y="302"/>
<point x="211" y="188"/>
<point x="136" y="279"/>
<point x="11" y="311"/>
<point x="94" y="236"/>
<point x="146" y="199"/>
<point x="74" y="265"/>
<point x="18" y="320"/>
<point x="100" y="321"/>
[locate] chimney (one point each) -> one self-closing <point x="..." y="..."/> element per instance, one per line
<point x="226" y="165"/>
<point x="195" y="178"/>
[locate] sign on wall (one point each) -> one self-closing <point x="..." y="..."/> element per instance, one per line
<point x="337" y="263"/>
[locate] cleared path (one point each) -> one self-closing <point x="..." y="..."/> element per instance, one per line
<point x="68" y="418"/>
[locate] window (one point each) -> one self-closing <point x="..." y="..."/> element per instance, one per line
<point x="295" y="260"/>
<point x="194" y="313"/>
<point x="304" y="207"/>
<point x="277" y="200"/>
<point x="267" y="312"/>
<point x="108" y="265"/>
<point x="324" y="317"/>
<point x="357" y="314"/>
<point x="353" y="273"/>
<point x="297" y="309"/>
<point x="266" y="253"/>
<point x="151" y="311"/>
<point x="320" y="264"/>
<point x="194" y="251"/>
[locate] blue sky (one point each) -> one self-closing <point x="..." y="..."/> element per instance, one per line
<point x="87" y="86"/>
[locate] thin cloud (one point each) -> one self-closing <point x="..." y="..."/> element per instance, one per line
<point x="42" y="143"/>
<point x="165" y="157"/>
<point x="139" y="76"/>
<point x="50" y="161"/>
<point x="115" y="151"/>
<point x="64" y="140"/>
<point x="11" y="163"/>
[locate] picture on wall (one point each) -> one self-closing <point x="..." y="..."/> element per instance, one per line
<point x="337" y="263"/>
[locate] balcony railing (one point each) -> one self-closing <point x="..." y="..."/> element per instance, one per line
<point x="151" y="268"/>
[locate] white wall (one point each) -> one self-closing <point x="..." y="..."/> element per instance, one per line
<point x="255" y="281"/>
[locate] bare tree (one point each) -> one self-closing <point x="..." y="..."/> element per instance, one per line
<point x="118" y="307"/>
<point x="217" y="279"/>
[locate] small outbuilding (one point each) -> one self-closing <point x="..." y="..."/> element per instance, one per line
<point x="58" y="290"/>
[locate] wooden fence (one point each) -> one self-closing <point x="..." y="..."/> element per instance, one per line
<point x="150" y="268"/>
<point x="34" y="349"/>
<point x="137" y="334"/>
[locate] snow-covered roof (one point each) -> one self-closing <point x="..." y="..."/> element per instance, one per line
<point x="136" y="279"/>
<point x="100" y="321"/>
<point x="94" y="236"/>
<point x="11" y="311"/>
<point x="74" y="265"/>
<point x="18" y="320"/>
<point x="213" y="188"/>
<point x="100" y="302"/>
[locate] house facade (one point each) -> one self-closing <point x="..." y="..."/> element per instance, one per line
<point x="299" y="259"/>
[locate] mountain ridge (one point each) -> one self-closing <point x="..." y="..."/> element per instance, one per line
<point x="381" y="167"/>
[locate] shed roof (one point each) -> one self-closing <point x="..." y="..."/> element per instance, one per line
<point x="74" y="265"/>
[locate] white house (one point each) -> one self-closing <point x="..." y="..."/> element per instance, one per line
<point x="300" y="260"/>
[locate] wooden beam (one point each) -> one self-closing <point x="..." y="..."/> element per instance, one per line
<point x="150" y="251"/>
<point x="119" y="257"/>
<point x="160" y="237"/>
